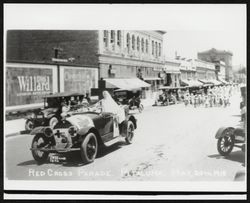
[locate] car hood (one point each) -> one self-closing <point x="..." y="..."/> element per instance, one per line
<point x="81" y="121"/>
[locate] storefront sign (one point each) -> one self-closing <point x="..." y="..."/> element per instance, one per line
<point x="27" y="85"/>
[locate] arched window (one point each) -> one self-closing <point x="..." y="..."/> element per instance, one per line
<point x="142" y="45"/>
<point x="112" y="36"/>
<point x="138" y="44"/>
<point x="119" y="37"/>
<point x="105" y="38"/>
<point x="146" y="46"/>
<point x="153" y="47"/>
<point x="133" y="42"/>
<point x="128" y="41"/>
<point x="156" y="49"/>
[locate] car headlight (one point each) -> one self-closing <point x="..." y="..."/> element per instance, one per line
<point x="48" y="132"/>
<point x="72" y="131"/>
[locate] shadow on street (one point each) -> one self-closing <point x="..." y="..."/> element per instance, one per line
<point x="237" y="156"/>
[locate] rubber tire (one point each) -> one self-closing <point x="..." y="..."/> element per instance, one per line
<point x="27" y="125"/>
<point x="127" y="139"/>
<point x="39" y="159"/>
<point x="230" y="149"/>
<point x="83" y="150"/>
<point x="53" y="120"/>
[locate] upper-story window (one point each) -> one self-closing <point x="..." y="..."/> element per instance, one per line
<point x="156" y="49"/>
<point x="138" y="44"/>
<point x="128" y="41"/>
<point x="112" y="36"/>
<point x="159" y="49"/>
<point x="119" y="37"/>
<point x="133" y="42"/>
<point x="105" y="38"/>
<point x="142" y="45"/>
<point x="146" y="46"/>
<point x="153" y="47"/>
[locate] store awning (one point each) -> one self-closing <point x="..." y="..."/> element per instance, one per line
<point x="153" y="78"/>
<point x="191" y="83"/>
<point x="125" y="83"/>
<point x="215" y="82"/>
<point x="223" y="81"/>
<point x="205" y="81"/>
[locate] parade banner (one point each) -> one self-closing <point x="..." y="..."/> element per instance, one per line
<point x="27" y="85"/>
<point x="80" y="80"/>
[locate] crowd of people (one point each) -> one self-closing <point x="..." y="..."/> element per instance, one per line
<point x="217" y="96"/>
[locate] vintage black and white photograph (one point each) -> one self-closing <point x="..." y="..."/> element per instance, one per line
<point x="125" y="97"/>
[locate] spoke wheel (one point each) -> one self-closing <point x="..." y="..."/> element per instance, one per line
<point x="89" y="148"/>
<point x="225" y="143"/>
<point x="29" y="125"/>
<point x="39" y="142"/>
<point x="130" y="132"/>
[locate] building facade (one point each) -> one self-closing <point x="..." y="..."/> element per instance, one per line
<point x="214" y="56"/>
<point x="75" y="60"/>
<point x="172" y="72"/>
<point x="132" y="54"/>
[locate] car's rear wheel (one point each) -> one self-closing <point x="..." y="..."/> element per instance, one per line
<point x="225" y="143"/>
<point x="89" y="148"/>
<point x="29" y="125"/>
<point x="130" y="132"/>
<point x="38" y="142"/>
<point x="53" y="121"/>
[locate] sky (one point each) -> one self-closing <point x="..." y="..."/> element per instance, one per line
<point x="190" y="27"/>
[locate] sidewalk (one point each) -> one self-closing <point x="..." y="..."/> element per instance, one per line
<point x="14" y="127"/>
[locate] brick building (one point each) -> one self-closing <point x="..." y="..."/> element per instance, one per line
<point x="215" y="56"/>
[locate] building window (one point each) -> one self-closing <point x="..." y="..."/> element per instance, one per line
<point x="119" y="37"/>
<point x="138" y="44"/>
<point x="159" y="49"/>
<point x="105" y="38"/>
<point x="128" y="41"/>
<point x="112" y="36"/>
<point x="142" y="45"/>
<point x="153" y="47"/>
<point x="146" y="46"/>
<point x="133" y="42"/>
<point x="156" y="49"/>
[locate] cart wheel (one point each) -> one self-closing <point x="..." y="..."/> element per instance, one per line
<point x="89" y="148"/>
<point x="225" y="143"/>
<point x="39" y="142"/>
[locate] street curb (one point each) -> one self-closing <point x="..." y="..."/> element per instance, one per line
<point x="12" y="134"/>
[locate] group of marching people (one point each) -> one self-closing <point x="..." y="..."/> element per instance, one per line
<point x="218" y="96"/>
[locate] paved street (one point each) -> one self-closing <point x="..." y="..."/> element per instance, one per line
<point x="171" y="143"/>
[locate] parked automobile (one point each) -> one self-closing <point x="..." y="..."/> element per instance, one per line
<point x="168" y="96"/>
<point x="129" y="97"/>
<point x="230" y="137"/>
<point x="83" y="132"/>
<point x="50" y="114"/>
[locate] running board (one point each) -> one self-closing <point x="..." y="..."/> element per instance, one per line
<point x="113" y="141"/>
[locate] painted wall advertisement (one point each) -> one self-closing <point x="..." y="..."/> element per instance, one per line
<point x="27" y="85"/>
<point x="80" y="79"/>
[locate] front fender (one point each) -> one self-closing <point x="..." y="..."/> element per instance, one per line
<point x="37" y="130"/>
<point x="133" y="119"/>
<point x="84" y="131"/>
<point x="220" y="132"/>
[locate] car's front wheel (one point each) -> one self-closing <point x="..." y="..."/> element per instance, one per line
<point x="38" y="142"/>
<point x="225" y="143"/>
<point x="130" y="132"/>
<point x="89" y="148"/>
<point x="29" y="125"/>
